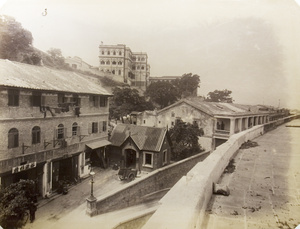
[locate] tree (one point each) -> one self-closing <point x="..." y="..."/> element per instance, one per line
<point x="220" y="96"/>
<point x="162" y="93"/>
<point x="56" y="57"/>
<point x="14" y="39"/>
<point x="184" y="137"/>
<point x="187" y="85"/>
<point x="16" y="42"/>
<point x="126" y="100"/>
<point x="15" y="201"/>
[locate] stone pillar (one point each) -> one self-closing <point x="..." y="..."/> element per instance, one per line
<point x="91" y="209"/>
<point x="240" y="123"/>
<point x="232" y="126"/>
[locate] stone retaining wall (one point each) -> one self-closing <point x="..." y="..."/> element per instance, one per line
<point x="133" y="192"/>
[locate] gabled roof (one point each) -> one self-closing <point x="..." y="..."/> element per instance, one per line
<point x="219" y="109"/>
<point x="15" y="74"/>
<point x="146" y="138"/>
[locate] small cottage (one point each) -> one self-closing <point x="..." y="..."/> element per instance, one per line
<point x="141" y="147"/>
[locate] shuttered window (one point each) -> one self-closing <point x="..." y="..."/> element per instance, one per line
<point x="13" y="138"/>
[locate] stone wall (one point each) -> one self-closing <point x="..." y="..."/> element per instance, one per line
<point x="133" y="192"/>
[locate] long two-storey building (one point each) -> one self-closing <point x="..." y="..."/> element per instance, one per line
<point x="53" y="124"/>
<point x="218" y="120"/>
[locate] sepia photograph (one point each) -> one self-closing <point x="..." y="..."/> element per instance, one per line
<point x="149" y="114"/>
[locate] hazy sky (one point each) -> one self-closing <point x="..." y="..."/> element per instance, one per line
<point x="251" y="47"/>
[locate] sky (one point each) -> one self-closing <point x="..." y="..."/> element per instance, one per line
<point x="250" y="47"/>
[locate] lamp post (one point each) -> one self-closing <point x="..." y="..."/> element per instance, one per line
<point x="91" y="201"/>
<point x="92" y="173"/>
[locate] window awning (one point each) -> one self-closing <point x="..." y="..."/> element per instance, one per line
<point x="98" y="144"/>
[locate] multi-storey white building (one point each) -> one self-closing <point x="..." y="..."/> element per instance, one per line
<point x="53" y="125"/>
<point x="119" y="60"/>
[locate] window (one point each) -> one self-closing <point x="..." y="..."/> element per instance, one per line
<point x="120" y="63"/>
<point x="13" y="98"/>
<point x="148" y="159"/>
<point x="165" y="155"/>
<point x="108" y="52"/>
<point x="94" y="100"/>
<point x="61" y="98"/>
<point x="114" y="53"/>
<point x="172" y="123"/>
<point x="95" y="127"/>
<point x="114" y="63"/>
<point x="104" y="126"/>
<point x="113" y="71"/>
<point x="143" y="59"/>
<point x="36" y="99"/>
<point x="108" y="62"/>
<point x="102" y="52"/>
<point x="144" y="121"/>
<point x="173" y="114"/>
<point x="13" y="138"/>
<point x="75" y="129"/>
<point x="120" y="53"/>
<point x="103" y="101"/>
<point x="75" y="100"/>
<point x="102" y="62"/>
<point x="119" y="72"/>
<point x="142" y="67"/>
<point x="36" y="135"/>
<point x="60" y="131"/>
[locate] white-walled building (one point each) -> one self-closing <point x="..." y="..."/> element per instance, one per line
<point x="218" y="120"/>
<point x="119" y="60"/>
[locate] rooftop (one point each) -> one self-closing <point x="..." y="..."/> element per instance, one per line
<point x="146" y="138"/>
<point x="15" y="74"/>
<point x="220" y="109"/>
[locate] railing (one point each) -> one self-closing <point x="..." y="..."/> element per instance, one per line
<point x="222" y="132"/>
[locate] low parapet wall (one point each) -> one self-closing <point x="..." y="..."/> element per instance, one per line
<point x="185" y="204"/>
<point x="138" y="191"/>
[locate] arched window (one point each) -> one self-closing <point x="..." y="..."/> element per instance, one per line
<point x="113" y="71"/>
<point x="114" y="53"/>
<point x="120" y="53"/>
<point x="60" y="131"/>
<point x="120" y="63"/>
<point x="102" y="62"/>
<point x="114" y="62"/>
<point x="142" y="67"/>
<point x="13" y="138"/>
<point x="102" y="52"/>
<point x="75" y="129"/>
<point x="108" y="62"/>
<point x="36" y="135"/>
<point x="108" y="52"/>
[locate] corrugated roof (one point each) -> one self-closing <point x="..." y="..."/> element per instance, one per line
<point x="216" y="108"/>
<point x="146" y="138"/>
<point x="15" y="74"/>
<point x="230" y="109"/>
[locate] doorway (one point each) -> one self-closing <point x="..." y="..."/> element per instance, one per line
<point x="130" y="158"/>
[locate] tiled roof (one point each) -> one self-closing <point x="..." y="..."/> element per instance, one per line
<point x="15" y="74"/>
<point x="222" y="109"/>
<point x="146" y="138"/>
